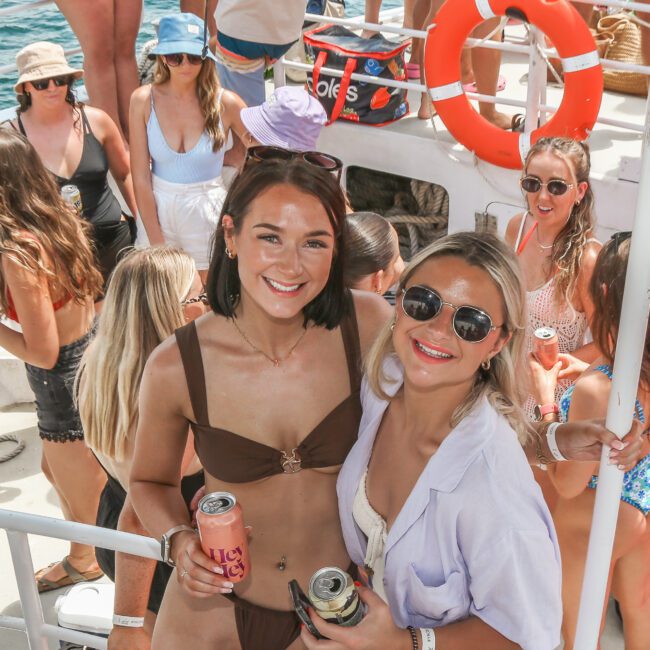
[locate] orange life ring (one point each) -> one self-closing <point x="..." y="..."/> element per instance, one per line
<point x="583" y="75"/>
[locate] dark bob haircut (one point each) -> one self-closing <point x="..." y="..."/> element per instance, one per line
<point x="223" y="284"/>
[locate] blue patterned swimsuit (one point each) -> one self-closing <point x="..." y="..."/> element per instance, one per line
<point x="636" y="482"/>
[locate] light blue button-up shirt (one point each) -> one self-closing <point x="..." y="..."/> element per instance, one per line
<point x="474" y="537"/>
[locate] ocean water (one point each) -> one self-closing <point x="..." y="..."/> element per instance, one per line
<point x="48" y="24"/>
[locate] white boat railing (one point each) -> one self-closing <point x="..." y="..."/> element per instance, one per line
<point x="535" y="50"/>
<point x="17" y="525"/>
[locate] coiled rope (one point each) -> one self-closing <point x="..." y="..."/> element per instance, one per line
<point x="20" y="445"/>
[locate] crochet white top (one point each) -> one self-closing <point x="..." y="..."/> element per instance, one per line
<point x="545" y="311"/>
<point x="373" y="526"/>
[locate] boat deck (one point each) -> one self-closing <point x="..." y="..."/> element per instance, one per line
<point x="409" y="147"/>
<point x="414" y="148"/>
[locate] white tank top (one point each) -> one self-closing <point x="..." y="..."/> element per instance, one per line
<point x="373" y="526"/>
<point x="545" y="311"/>
<point x="261" y="21"/>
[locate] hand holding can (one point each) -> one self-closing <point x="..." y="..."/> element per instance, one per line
<point x="223" y="535"/>
<point x="546" y="346"/>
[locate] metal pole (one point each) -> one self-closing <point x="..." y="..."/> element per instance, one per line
<point x="31" y="603"/>
<point x="279" y="73"/>
<point x="627" y="366"/>
<point x="536" y="80"/>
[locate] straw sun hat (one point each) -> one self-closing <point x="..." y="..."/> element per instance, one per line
<point x="42" y="60"/>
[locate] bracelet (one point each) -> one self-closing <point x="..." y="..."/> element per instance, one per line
<point x="428" y="638"/>
<point x="542" y="460"/>
<point x="552" y="443"/>
<point x="128" y="621"/>
<point x="414" y="637"/>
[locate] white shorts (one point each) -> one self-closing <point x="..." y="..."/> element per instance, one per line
<point x="188" y="214"/>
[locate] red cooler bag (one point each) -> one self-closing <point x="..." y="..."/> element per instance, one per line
<point x="333" y="46"/>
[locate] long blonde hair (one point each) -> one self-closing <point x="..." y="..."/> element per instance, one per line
<point x="502" y="383"/>
<point x="141" y="309"/>
<point x="571" y="242"/>
<point x="207" y="91"/>
<point x="34" y="218"/>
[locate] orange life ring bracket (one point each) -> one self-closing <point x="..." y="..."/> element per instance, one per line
<point x="583" y="75"/>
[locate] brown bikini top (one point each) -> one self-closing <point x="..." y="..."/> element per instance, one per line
<point x="233" y="458"/>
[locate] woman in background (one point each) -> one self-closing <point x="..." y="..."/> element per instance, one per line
<point x="48" y="284"/>
<point x="373" y="259"/>
<point x="78" y="144"/>
<point x="179" y="130"/>
<point x="554" y="242"/>
<point x="576" y="482"/>
<point x="152" y="292"/>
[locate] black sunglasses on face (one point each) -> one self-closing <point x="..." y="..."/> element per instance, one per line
<point x="324" y="161"/>
<point x="470" y="324"/>
<point x="532" y="185"/>
<point x="44" y="84"/>
<point x="174" y="60"/>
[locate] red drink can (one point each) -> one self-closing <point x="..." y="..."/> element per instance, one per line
<point x="223" y="537"/>
<point x="546" y="347"/>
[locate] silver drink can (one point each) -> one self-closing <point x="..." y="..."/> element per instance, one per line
<point x="335" y="598"/>
<point x="72" y="195"/>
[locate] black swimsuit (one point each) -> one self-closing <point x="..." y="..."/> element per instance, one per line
<point x="112" y="231"/>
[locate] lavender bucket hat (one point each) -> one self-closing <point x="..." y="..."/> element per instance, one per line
<point x="289" y="118"/>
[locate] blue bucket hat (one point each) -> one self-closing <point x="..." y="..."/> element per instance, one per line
<point x="180" y="34"/>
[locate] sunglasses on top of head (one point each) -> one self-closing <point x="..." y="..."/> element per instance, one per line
<point x="470" y="324"/>
<point x="556" y="187"/>
<point x="202" y="298"/>
<point x="174" y="60"/>
<point x="44" y="84"/>
<point x="264" y="153"/>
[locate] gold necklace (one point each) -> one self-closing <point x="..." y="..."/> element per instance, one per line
<point x="274" y="360"/>
<point x="544" y="247"/>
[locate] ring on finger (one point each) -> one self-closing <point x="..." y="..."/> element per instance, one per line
<point x="183" y="574"/>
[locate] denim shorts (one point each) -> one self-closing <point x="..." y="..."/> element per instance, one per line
<point x="57" y="415"/>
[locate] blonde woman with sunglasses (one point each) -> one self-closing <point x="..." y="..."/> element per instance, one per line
<point x="436" y="498"/>
<point x="554" y="242"/>
<point x="179" y="129"/>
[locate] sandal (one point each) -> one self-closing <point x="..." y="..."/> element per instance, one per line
<point x="412" y="71"/>
<point x="72" y="576"/>
<point x="518" y="123"/>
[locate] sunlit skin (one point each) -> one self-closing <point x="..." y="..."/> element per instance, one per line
<point x="182" y="124"/>
<point x="552" y="211"/>
<point x="285" y="249"/>
<point x="412" y="430"/>
<point x="460" y="284"/>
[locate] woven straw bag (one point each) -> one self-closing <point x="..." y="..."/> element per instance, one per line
<point x="624" y="46"/>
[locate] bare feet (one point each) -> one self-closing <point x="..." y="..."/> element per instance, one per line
<point x="501" y="120"/>
<point x="426" y="111"/>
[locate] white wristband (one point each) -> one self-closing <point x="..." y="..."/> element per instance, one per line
<point x="428" y="638"/>
<point x="128" y="621"/>
<point x="552" y="443"/>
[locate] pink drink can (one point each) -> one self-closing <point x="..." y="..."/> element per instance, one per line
<point x="546" y="347"/>
<point x="223" y="536"/>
